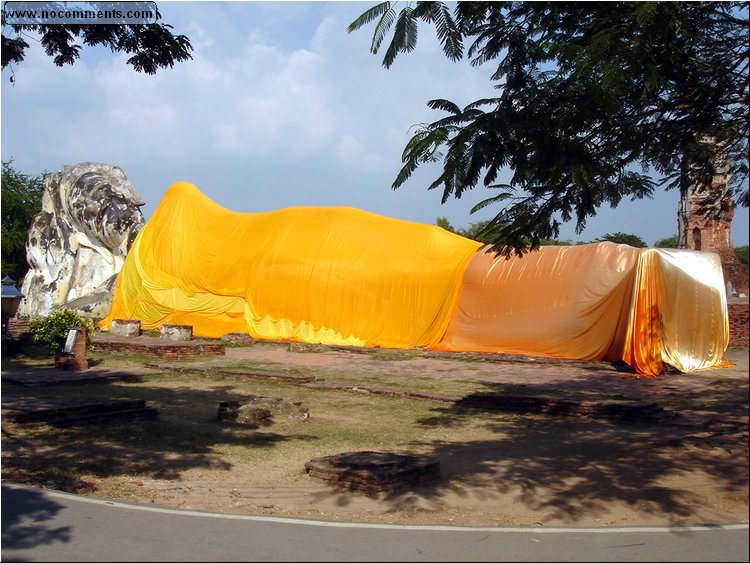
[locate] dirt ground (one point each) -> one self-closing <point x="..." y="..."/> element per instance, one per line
<point x="553" y="471"/>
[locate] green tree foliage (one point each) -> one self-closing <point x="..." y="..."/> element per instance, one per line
<point x="669" y="242"/>
<point x="555" y="242"/>
<point x="478" y="232"/>
<point x="475" y="231"/>
<point x="52" y="330"/>
<point x="623" y="238"/>
<point x="595" y="102"/>
<point x="741" y="252"/>
<point x="21" y="200"/>
<point x="445" y="224"/>
<point x="151" y="46"/>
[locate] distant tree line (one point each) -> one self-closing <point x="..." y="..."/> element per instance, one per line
<point x="478" y="232"/>
<point x="21" y="201"/>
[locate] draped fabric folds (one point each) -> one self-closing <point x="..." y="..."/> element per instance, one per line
<point x="601" y="301"/>
<point x="314" y="274"/>
<point x="679" y="314"/>
<point x="338" y="275"/>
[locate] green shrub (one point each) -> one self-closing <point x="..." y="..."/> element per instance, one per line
<point x="741" y="252"/>
<point x="669" y="242"/>
<point x="623" y="238"/>
<point x="52" y="330"/>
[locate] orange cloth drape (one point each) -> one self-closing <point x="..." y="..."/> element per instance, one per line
<point x="596" y="301"/>
<point x="338" y="275"/>
<point x="315" y="274"/>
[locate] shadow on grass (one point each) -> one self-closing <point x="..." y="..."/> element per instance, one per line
<point x="75" y="458"/>
<point x="566" y="469"/>
<point x="186" y="435"/>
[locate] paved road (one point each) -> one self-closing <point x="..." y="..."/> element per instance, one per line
<point x="40" y="525"/>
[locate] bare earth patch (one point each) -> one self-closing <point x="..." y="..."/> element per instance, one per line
<point x="497" y="469"/>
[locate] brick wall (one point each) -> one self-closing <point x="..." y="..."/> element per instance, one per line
<point x="171" y="351"/>
<point x="75" y="358"/>
<point x="737" y="273"/>
<point x="738" y="322"/>
<point x="19" y="328"/>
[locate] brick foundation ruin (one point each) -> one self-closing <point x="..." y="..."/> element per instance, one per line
<point x="374" y="472"/>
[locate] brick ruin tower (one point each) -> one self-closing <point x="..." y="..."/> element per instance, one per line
<point x="704" y="220"/>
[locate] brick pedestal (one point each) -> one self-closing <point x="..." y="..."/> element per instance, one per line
<point x="74" y="359"/>
<point x="373" y="472"/>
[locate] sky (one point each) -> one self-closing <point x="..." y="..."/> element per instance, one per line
<point x="279" y="107"/>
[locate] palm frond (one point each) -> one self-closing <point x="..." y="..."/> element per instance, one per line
<point x="445" y="105"/>
<point x="376" y="11"/>
<point x="404" y="37"/>
<point x="493" y="200"/>
<point x="448" y="33"/>
<point x="482" y="102"/>
<point x="421" y="148"/>
<point x="381" y="29"/>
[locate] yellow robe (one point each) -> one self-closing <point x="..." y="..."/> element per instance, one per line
<point x="338" y="275"/>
